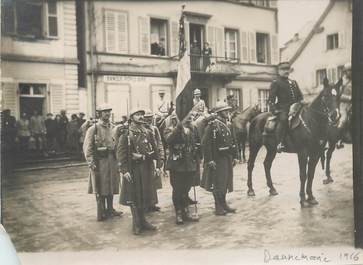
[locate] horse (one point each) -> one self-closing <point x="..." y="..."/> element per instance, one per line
<point x="336" y="135"/>
<point x="240" y="122"/>
<point x="310" y="127"/>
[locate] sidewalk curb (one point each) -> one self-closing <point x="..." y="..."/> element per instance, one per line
<point x="50" y="167"/>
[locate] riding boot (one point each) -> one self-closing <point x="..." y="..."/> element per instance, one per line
<point x="145" y="224"/>
<point x="187" y="217"/>
<point x="100" y="208"/>
<point x="136" y="222"/>
<point x="111" y="212"/>
<point x="218" y="206"/>
<point x="225" y="205"/>
<point x="178" y="215"/>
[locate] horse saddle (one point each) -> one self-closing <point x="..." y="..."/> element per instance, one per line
<point x="294" y="115"/>
<point x="270" y="125"/>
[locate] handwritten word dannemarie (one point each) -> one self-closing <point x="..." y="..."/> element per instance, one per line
<point x="273" y="257"/>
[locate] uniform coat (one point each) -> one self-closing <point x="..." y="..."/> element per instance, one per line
<point x="221" y="150"/>
<point x="105" y="179"/>
<point x="160" y="148"/>
<point x="139" y="141"/>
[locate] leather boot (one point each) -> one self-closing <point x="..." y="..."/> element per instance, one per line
<point x="187" y="217"/>
<point x="225" y="206"/>
<point x="145" y="224"/>
<point x="136" y="224"/>
<point x="111" y="212"/>
<point x="178" y="215"/>
<point x="218" y="205"/>
<point x="100" y="208"/>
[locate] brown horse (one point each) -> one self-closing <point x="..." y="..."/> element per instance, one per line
<point x="240" y="122"/>
<point x="305" y="140"/>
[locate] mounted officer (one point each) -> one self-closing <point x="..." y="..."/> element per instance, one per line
<point x="220" y="156"/>
<point x="183" y="163"/>
<point x="284" y="92"/>
<point x="99" y="151"/>
<point x="199" y="106"/>
<point x="136" y="151"/>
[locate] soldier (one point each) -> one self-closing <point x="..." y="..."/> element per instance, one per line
<point x="136" y="151"/>
<point x="148" y="117"/>
<point x="199" y="106"/>
<point x="183" y="165"/>
<point x="99" y="151"/>
<point x="286" y="92"/>
<point x="219" y="159"/>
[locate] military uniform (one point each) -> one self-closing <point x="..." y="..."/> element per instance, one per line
<point x="99" y="150"/>
<point x="183" y="164"/>
<point x="136" y="151"/>
<point x="283" y="93"/>
<point x="218" y="147"/>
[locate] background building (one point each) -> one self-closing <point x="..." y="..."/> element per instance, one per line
<point x="39" y="57"/>
<point x="128" y="51"/>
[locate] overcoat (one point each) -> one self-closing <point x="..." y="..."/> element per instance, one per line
<point x="99" y="149"/>
<point x="160" y="148"/>
<point x="138" y="142"/>
<point x="218" y="146"/>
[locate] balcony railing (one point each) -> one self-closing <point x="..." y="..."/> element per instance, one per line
<point x="211" y="64"/>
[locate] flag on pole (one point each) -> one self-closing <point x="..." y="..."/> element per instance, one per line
<point x="184" y="94"/>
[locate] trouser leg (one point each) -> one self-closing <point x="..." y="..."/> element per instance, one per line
<point x="219" y="210"/>
<point x="100" y="207"/>
<point x="177" y="196"/>
<point x="145" y="224"/>
<point x="225" y="205"/>
<point x="136" y="222"/>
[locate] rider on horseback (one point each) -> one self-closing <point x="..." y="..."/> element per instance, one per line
<point x="199" y="106"/>
<point x="284" y="92"/>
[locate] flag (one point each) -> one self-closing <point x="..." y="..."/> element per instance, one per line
<point x="184" y="94"/>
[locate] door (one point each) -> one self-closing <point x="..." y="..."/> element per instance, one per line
<point x="28" y="105"/>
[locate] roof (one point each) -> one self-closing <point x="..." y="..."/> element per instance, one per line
<point x="312" y="31"/>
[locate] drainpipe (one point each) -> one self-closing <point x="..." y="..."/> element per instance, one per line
<point x="91" y="44"/>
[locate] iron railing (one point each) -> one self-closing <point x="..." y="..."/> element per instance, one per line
<point x="203" y="63"/>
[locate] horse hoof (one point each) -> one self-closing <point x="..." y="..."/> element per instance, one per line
<point x="312" y="201"/>
<point x="328" y="180"/>
<point x="304" y="204"/>
<point x="273" y="192"/>
<point x="251" y="193"/>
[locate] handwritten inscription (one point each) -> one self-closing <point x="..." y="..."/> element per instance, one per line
<point x="346" y="256"/>
<point x="123" y="78"/>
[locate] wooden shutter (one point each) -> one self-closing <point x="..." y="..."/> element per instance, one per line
<point x="341" y="39"/>
<point x="219" y="34"/>
<point x="174" y="38"/>
<point x="57" y="96"/>
<point x="211" y="38"/>
<point x="244" y="47"/>
<point x="110" y="31"/>
<point x="274" y="49"/>
<point x="329" y="74"/>
<point x="144" y="35"/>
<point x="9" y="97"/>
<point x="122" y="32"/>
<point x="252" y="46"/>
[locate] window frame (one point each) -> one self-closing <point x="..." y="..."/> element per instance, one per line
<point x="267" y="47"/>
<point x="166" y="37"/>
<point x="239" y="93"/>
<point x="227" y="50"/>
<point x="335" y="41"/>
<point x="318" y="80"/>
<point x="263" y="101"/>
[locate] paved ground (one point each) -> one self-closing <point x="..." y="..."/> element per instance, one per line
<point x="49" y="210"/>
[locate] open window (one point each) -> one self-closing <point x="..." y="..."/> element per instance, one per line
<point x="320" y="75"/>
<point x="158" y="36"/>
<point x="262" y="48"/>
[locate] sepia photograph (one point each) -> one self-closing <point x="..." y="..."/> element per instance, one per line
<point x="186" y="126"/>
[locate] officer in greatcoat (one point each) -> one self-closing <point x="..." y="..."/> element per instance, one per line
<point x="99" y="151"/>
<point x="220" y="155"/>
<point x="183" y="143"/>
<point x="283" y="93"/>
<point x="136" y="151"/>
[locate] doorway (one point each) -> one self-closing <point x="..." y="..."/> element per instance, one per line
<point x="32" y="98"/>
<point x="196" y="36"/>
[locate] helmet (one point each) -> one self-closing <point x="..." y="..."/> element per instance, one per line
<point x="221" y="106"/>
<point x="136" y="110"/>
<point x="348" y="66"/>
<point x="148" y="113"/>
<point x="284" y="65"/>
<point x="197" y="92"/>
<point x="104" y="106"/>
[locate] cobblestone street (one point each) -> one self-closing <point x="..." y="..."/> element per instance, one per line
<point x="50" y="210"/>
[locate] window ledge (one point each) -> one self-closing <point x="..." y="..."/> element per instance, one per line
<point x="29" y="38"/>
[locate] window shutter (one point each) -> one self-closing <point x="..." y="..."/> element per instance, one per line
<point x="219" y="34"/>
<point x="122" y="32"/>
<point x="341" y="39"/>
<point x="329" y="75"/>
<point x="244" y="47"/>
<point x="174" y="38"/>
<point x="274" y="49"/>
<point x="252" y="46"/>
<point x="334" y="75"/>
<point x="57" y="95"/>
<point x="144" y="35"/>
<point x="110" y="31"/>
<point x="211" y="38"/>
<point x="9" y="97"/>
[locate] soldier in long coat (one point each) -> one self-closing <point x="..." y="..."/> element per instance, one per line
<point x="99" y="151"/>
<point x="136" y="151"/>
<point x="219" y="158"/>
<point x="183" y="165"/>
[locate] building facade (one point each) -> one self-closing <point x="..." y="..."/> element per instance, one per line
<point x="39" y="57"/>
<point x="129" y="51"/>
<point x="326" y="48"/>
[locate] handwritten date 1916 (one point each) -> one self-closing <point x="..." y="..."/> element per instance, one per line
<point x="349" y="256"/>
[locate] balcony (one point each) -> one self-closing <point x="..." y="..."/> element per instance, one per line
<point x="213" y="64"/>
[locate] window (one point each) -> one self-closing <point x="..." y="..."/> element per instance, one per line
<point x="231" y="44"/>
<point x="236" y="93"/>
<point x="320" y="75"/>
<point x="265" y="3"/>
<point x="32" y="89"/>
<point x="158" y="36"/>
<point x="340" y="70"/>
<point x="116" y="31"/>
<point x="262" y="48"/>
<point x="332" y="41"/>
<point x="31" y="19"/>
<point x="263" y="95"/>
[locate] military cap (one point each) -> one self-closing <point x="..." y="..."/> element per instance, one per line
<point x="221" y="106"/>
<point x="148" y="113"/>
<point x="136" y="110"/>
<point x="284" y="65"/>
<point x="197" y="92"/>
<point x="103" y="107"/>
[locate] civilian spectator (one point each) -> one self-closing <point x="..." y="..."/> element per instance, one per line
<point x="206" y="53"/>
<point x="37" y="130"/>
<point x="23" y="132"/>
<point x="51" y="126"/>
<point x="8" y="133"/>
<point x="58" y="135"/>
<point x="73" y="135"/>
<point x="81" y="118"/>
<point x="63" y="129"/>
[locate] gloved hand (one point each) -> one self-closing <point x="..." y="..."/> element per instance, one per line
<point x="212" y="164"/>
<point x="127" y="176"/>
